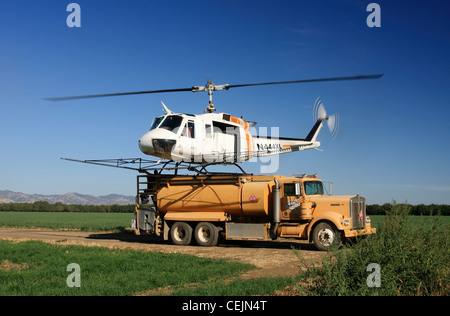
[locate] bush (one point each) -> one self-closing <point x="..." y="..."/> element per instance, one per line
<point x="413" y="259"/>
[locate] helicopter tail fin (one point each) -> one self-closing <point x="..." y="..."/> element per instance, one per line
<point x="320" y="115"/>
<point x="315" y="131"/>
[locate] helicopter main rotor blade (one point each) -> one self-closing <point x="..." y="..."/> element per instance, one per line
<point x="359" y="77"/>
<point x="89" y="96"/>
<point x="211" y="87"/>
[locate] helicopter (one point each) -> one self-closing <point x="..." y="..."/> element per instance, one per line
<point x="220" y="138"/>
<point x="215" y="138"/>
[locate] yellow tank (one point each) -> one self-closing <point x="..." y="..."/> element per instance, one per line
<point x="235" y="195"/>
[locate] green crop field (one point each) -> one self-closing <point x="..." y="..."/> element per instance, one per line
<point x="63" y="220"/>
<point x="377" y="220"/>
<point x="34" y="268"/>
<point x="37" y="268"/>
<point x="87" y="221"/>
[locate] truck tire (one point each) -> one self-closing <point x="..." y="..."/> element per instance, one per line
<point x="206" y="234"/>
<point x="326" y="235"/>
<point x="181" y="233"/>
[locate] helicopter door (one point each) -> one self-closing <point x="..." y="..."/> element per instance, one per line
<point x="189" y="142"/>
<point x="225" y="141"/>
<point x="237" y="144"/>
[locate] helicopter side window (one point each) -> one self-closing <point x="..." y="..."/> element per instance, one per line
<point x="189" y="130"/>
<point x="208" y="131"/>
<point x="156" y="122"/>
<point x="171" y="122"/>
<point x="223" y="128"/>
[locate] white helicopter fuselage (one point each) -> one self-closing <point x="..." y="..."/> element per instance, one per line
<point x="215" y="138"/>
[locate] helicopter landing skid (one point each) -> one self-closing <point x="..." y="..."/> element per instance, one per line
<point x="157" y="167"/>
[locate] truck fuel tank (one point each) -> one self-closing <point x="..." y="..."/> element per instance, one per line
<point x="246" y="195"/>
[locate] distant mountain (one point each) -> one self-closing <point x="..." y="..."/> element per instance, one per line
<point x="69" y="198"/>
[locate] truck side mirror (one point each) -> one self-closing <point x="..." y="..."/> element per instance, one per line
<point x="297" y="189"/>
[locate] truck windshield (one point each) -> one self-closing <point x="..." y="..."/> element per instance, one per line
<point x="171" y="122"/>
<point x="313" y="187"/>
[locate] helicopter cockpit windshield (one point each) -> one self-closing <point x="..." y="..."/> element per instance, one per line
<point x="169" y="123"/>
<point x="156" y="122"/>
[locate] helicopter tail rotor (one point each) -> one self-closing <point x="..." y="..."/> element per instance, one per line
<point x="319" y="114"/>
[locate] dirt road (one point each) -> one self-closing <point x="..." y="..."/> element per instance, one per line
<point x="273" y="258"/>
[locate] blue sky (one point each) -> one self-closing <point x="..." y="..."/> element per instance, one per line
<point x="394" y="132"/>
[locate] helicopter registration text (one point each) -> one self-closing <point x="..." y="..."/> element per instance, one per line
<point x="268" y="147"/>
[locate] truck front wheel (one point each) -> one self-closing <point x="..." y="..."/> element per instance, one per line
<point x="181" y="233"/>
<point x="206" y="234"/>
<point x="326" y="235"/>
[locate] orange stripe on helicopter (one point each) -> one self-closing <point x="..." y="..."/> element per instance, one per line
<point x="247" y="136"/>
<point x="243" y="123"/>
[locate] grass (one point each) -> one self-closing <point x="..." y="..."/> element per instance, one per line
<point x="237" y="287"/>
<point x="55" y="220"/>
<point x="37" y="268"/>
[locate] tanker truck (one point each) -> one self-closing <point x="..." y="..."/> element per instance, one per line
<point x="202" y="208"/>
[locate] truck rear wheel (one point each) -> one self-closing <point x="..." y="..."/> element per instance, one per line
<point x="206" y="234"/>
<point x="181" y="233"/>
<point x="326" y="235"/>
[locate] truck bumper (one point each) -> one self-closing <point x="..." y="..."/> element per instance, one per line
<point x="359" y="232"/>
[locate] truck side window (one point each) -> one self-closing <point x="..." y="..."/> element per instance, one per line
<point x="289" y="189"/>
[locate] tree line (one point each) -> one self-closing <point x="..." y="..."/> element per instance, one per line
<point x="43" y="206"/>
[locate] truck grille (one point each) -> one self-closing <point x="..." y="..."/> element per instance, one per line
<point x="358" y="212"/>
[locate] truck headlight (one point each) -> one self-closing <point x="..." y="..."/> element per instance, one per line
<point x="346" y="222"/>
<point x="368" y="220"/>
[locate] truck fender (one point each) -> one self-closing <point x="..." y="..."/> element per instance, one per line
<point x="166" y="230"/>
<point x="334" y="218"/>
